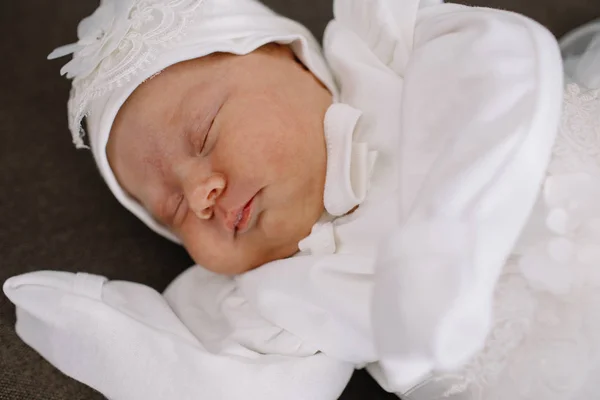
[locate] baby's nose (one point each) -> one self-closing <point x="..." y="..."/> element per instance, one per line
<point x="203" y="197"/>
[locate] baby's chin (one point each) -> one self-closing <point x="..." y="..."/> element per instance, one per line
<point x="231" y="266"/>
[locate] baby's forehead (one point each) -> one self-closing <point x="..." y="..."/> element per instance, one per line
<point x="167" y="90"/>
<point x="176" y="98"/>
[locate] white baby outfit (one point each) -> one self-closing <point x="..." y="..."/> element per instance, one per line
<point x="469" y="271"/>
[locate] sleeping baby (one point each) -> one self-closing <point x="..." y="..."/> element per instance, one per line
<point x="227" y="153"/>
<point x="411" y="202"/>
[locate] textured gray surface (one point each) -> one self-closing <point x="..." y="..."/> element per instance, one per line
<point x="55" y="212"/>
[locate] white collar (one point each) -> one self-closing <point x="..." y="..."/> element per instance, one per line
<point x="349" y="162"/>
<point x="349" y="166"/>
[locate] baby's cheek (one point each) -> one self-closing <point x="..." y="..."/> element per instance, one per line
<point x="219" y="255"/>
<point x="277" y="154"/>
<point x="196" y="242"/>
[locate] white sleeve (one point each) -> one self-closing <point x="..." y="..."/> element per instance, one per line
<point x="481" y="105"/>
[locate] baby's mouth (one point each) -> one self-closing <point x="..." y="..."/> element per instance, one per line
<point x="242" y="222"/>
<point x="243" y="217"/>
<point x="238" y="218"/>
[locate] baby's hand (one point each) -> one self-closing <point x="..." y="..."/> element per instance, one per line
<point x="124" y="340"/>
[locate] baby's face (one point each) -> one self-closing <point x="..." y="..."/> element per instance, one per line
<point x="229" y="153"/>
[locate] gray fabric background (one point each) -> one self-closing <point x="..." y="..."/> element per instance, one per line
<point x="55" y="212"/>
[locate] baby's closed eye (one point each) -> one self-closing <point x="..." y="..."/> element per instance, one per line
<point x="170" y="211"/>
<point x="201" y="132"/>
<point x="198" y="140"/>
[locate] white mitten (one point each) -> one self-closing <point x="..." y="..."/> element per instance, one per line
<point x="124" y="340"/>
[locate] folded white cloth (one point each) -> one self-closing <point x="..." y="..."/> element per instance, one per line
<point x="443" y="131"/>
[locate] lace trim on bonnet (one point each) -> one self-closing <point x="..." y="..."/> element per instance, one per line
<point x="116" y="42"/>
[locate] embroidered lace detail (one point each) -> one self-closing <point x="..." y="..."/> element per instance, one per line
<point x="545" y="341"/>
<point x="578" y="146"/>
<point x="117" y="42"/>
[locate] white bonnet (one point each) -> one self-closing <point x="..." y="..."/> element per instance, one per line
<point x="125" y="42"/>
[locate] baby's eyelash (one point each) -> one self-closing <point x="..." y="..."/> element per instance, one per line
<point x="202" y="132"/>
<point x="205" y="138"/>
<point x="180" y="200"/>
<point x="171" y="209"/>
